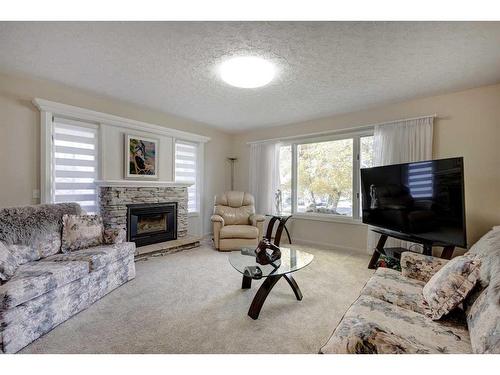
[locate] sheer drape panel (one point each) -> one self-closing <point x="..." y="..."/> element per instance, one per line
<point x="400" y="142"/>
<point x="264" y="175"/>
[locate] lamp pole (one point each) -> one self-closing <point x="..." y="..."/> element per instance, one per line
<point x="232" y="161"/>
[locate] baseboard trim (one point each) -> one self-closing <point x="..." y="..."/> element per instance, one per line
<point x="300" y="241"/>
<point x="326" y="245"/>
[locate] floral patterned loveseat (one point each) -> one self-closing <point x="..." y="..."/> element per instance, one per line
<point x="46" y="286"/>
<point x="390" y="314"/>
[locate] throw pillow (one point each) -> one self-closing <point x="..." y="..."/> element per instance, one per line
<point x="8" y="263"/>
<point x="114" y="236"/>
<point x="450" y="285"/>
<point x="81" y="232"/>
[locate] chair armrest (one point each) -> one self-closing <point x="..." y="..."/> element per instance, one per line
<point x="114" y="236"/>
<point x="255" y="218"/>
<point x="217" y="218"/>
<point x="420" y="267"/>
<point x="218" y="223"/>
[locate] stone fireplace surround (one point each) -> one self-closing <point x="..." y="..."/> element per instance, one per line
<point x="114" y="196"/>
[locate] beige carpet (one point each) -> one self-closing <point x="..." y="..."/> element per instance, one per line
<point x="191" y="302"/>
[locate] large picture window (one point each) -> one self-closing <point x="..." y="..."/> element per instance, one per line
<point x="320" y="177"/>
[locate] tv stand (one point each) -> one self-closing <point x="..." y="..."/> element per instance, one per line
<point x="395" y="252"/>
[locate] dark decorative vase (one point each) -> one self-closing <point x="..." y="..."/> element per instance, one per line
<point x="263" y="256"/>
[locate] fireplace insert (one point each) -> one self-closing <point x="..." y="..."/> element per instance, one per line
<point x="150" y="223"/>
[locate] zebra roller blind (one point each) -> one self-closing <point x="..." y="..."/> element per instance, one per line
<point x="186" y="164"/>
<point x="74" y="166"/>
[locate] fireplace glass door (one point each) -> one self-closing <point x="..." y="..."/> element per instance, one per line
<point x="151" y="223"/>
<point x="148" y="224"/>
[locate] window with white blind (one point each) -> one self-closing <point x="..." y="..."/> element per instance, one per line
<point x="74" y="163"/>
<point x="186" y="170"/>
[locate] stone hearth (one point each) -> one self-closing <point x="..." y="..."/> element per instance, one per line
<point x="114" y="197"/>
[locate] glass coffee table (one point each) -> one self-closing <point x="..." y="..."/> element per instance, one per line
<point x="291" y="260"/>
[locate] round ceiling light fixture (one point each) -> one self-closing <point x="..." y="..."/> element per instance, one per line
<point x="247" y="71"/>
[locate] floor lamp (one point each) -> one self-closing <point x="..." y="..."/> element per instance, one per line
<point x="232" y="161"/>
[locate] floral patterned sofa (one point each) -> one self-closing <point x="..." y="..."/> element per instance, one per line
<point x="391" y="316"/>
<point x="47" y="287"/>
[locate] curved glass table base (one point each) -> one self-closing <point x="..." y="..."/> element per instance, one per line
<point x="291" y="261"/>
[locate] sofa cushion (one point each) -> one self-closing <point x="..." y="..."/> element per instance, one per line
<point x="488" y="250"/>
<point x="375" y="326"/>
<point x="24" y="253"/>
<point x="114" y="235"/>
<point x="419" y="266"/>
<point x="47" y="244"/>
<point x="21" y="254"/>
<point x="450" y="285"/>
<point x="81" y="232"/>
<point x="391" y="286"/>
<point x="239" y="231"/>
<point x="483" y="321"/>
<point x="8" y="263"/>
<point x="36" y="278"/>
<point x="27" y="224"/>
<point x="97" y="257"/>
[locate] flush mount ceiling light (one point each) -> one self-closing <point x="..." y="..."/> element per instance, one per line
<point x="247" y="71"/>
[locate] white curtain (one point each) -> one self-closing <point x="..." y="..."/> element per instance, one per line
<point x="400" y="142"/>
<point x="264" y="175"/>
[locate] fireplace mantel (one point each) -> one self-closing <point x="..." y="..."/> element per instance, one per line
<point x="141" y="183"/>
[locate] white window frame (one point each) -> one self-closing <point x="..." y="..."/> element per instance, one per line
<point x="47" y="149"/>
<point x="200" y="152"/>
<point x="48" y="109"/>
<point x="356" y="185"/>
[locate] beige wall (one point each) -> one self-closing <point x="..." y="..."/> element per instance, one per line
<point x="20" y="137"/>
<point x="468" y="125"/>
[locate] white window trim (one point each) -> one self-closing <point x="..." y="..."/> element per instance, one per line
<point x="47" y="153"/>
<point x="326" y="218"/>
<point x="200" y="172"/>
<point x="48" y="109"/>
<point x="46" y="156"/>
<point x="356" y="136"/>
<point x="84" y="114"/>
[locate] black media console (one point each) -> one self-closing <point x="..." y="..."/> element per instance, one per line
<point x="395" y="252"/>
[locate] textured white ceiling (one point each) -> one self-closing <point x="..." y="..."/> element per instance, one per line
<point x="325" y="68"/>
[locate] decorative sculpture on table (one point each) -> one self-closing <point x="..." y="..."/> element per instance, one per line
<point x="278" y="202"/>
<point x="263" y="256"/>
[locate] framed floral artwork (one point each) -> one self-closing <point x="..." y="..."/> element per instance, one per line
<point x="141" y="157"/>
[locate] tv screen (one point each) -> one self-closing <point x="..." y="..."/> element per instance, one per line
<point x="424" y="199"/>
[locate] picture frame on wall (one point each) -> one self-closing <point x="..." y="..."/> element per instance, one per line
<point x="141" y="157"/>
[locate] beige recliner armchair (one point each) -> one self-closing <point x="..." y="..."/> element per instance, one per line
<point x="235" y="223"/>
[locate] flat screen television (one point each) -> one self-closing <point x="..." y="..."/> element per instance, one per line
<point x="424" y="200"/>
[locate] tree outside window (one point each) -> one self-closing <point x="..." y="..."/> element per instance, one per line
<point x="324" y="177"/>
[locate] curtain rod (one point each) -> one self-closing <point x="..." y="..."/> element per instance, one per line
<point x="339" y="131"/>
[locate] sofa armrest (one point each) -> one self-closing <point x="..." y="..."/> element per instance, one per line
<point x="217" y="219"/>
<point x="114" y="236"/>
<point x="255" y="218"/>
<point x="420" y="267"/>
